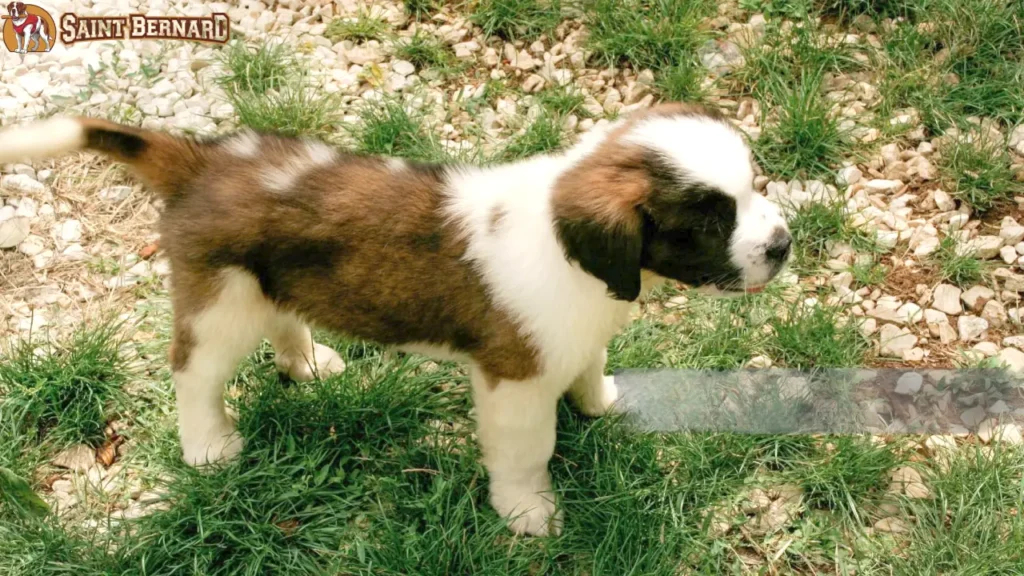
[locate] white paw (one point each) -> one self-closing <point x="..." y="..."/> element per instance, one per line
<point x="599" y="400"/>
<point x="217" y="445"/>
<point x="325" y="362"/>
<point x="527" y="511"/>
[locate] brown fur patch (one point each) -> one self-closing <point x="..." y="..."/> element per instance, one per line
<point x="611" y="182"/>
<point x="353" y="247"/>
<point x="164" y="162"/>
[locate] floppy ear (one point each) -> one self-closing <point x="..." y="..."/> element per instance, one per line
<point x="596" y="207"/>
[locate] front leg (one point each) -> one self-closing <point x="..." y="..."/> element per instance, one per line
<point x="592" y="392"/>
<point x="22" y="43"/>
<point x="516" y="428"/>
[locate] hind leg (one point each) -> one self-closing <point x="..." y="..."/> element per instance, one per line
<point x="215" y="328"/>
<point x="297" y="355"/>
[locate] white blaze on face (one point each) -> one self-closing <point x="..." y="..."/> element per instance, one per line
<point x="755" y="228"/>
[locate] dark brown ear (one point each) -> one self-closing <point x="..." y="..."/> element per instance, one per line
<point x="597" y="217"/>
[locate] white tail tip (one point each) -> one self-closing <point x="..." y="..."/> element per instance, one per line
<point x="39" y="140"/>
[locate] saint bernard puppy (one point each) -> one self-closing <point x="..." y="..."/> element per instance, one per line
<point x="524" y="271"/>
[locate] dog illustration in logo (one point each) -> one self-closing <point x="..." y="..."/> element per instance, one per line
<point x="30" y="30"/>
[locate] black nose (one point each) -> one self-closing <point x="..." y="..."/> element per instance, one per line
<point x="779" y="245"/>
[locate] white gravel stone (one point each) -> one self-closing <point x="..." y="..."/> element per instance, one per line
<point x="946" y="298"/>
<point x="849" y="176"/>
<point x="22" y="183"/>
<point x="910" y="312"/>
<point x="894" y="341"/>
<point x="33" y="83"/>
<point x="887" y="239"/>
<point x="32" y="246"/>
<point x="883" y="186"/>
<point x="995" y="313"/>
<point x="116" y="194"/>
<point x="70" y="230"/>
<point x="402" y="67"/>
<point x="986" y="247"/>
<point x="868" y="326"/>
<point x="939" y="326"/>
<point x="1012" y="234"/>
<point x="909" y="384"/>
<point x="986" y="349"/>
<point x="1013" y="282"/>
<point x="13" y="231"/>
<point x="1012" y="358"/>
<point x="958" y="221"/>
<point x="973" y="417"/>
<point x="971" y="328"/>
<point x="162" y="88"/>
<point x="1008" y="254"/>
<point x="976" y="297"/>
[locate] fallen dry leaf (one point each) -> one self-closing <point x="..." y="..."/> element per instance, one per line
<point x="917" y="490"/>
<point x="892" y="525"/>
<point x="107" y="452"/>
<point x="148" y="250"/>
<point x="288" y="526"/>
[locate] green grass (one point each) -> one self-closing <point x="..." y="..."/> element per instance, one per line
<point x="682" y="82"/>
<point x="803" y="140"/>
<point x="663" y="36"/>
<point x="365" y="473"/>
<point x="870" y="273"/>
<point x="721" y="334"/>
<point x="375" y="471"/>
<point x="979" y="41"/>
<point x="422" y="9"/>
<point x="815" y="226"/>
<point x="544" y="134"/>
<point x="297" y="109"/>
<point x="427" y="51"/>
<point x="979" y="174"/>
<point x="956" y="266"/>
<point x="255" y="70"/>
<point x="269" y="94"/>
<point x="361" y="28"/>
<point x="973" y="524"/>
<point x="53" y="395"/>
<point x="516" y="19"/>
<point x="845" y="10"/>
<point x="817" y="336"/>
<point x="562" y="101"/>
<point x="808" y="53"/>
<point x="390" y="129"/>
<point x="656" y="35"/>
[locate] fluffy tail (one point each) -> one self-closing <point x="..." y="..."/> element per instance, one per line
<point x="167" y="163"/>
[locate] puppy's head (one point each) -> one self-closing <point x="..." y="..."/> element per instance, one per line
<point x="16" y="9"/>
<point x="671" y="192"/>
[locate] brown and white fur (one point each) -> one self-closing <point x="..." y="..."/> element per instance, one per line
<point x="524" y="270"/>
